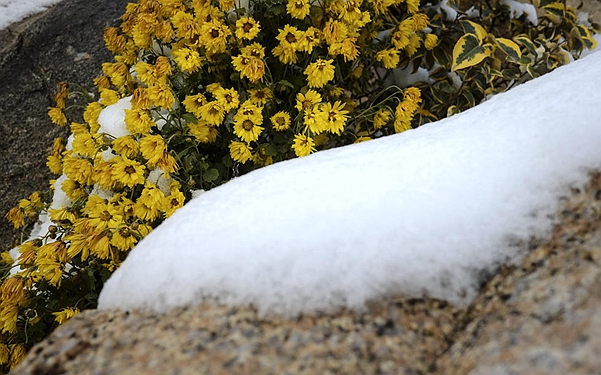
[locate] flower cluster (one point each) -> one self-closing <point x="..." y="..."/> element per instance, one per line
<point x="199" y="92"/>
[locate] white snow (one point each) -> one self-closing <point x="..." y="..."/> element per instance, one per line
<point x="15" y="10"/>
<point x="112" y="118"/>
<point x="418" y="213"/>
<point x="517" y="9"/>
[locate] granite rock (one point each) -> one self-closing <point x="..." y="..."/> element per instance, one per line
<point x="539" y="316"/>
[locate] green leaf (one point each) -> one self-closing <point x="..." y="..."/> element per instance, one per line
<point x="283" y="82"/>
<point x="452" y="110"/>
<point x="467" y="52"/>
<point x="270" y="150"/>
<point x="531" y="71"/>
<point x="441" y="56"/>
<point x="510" y="48"/>
<point x="190" y="118"/>
<point x="509" y="74"/>
<point x="555" y="12"/>
<point x="469" y="97"/>
<point x="525" y="60"/>
<point x="210" y="175"/>
<point x="526" y="42"/>
<point x="474" y="28"/>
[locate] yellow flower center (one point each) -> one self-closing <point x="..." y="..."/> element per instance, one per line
<point x="247" y="125"/>
<point x="105" y="215"/>
<point x="290" y="38"/>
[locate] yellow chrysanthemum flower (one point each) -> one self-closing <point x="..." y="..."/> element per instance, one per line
<point x="90" y="115"/>
<point x="161" y="96"/>
<point x="8" y="318"/>
<point x="4" y="354"/>
<point x="173" y="202"/>
<point x="303" y="145"/>
<point x="6" y="258"/>
<point x="17" y="353"/>
<point x="213" y="36"/>
<point x="152" y="148"/>
<point x="381" y="118"/>
<point x="124" y="238"/>
<point x="16" y="217"/>
<point x="347" y="48"/>
<point x="420" y="21"/>
<point x="65" y="314"/>
<point x="286" y="54"/>
<point x="289" y="36"/>
<point x="185" y="25"/>
<point x="102" y="82"/>
<point x="140" y="99"/>
<point x="146" y="72"/>
<point x="149" y="204"/>
<point x="78" y="169"/>
<point x="320" y="72"/>
<point x="13" y="291"/>
<point x="298" y="8"/>
<point x="100" y="245"/>
<point x="280" y="121"/>
<point x="247" y="129"/>
<point x="193" y="103"/>
<point x="113" y="41"/>
<point x="307" y="100"/>
<point x="247" y="28"/>
<point x="412" y="6"/>
<point x="138" y="121"/>
<point x="335" y="32"/>
<point x="240" y="152"/>
<point x="61" y="96"/>
<point x="201" y="131"/>
<point x="228" y="98"/>
<point x="309" y="39"/>
<point x="380" y="6"/>
<point x="430" y="41"/>
<point x="334" y="116"/>
<point x="73" y="189"/>
<point x="414" y="42"/>
<point x="389" y="58"/>
<point x="314" y="122"/>
<point x="250" y="67"/>
<point x="187" y="59"/>
<point x="126" y="146"/>
<point x="163" y="66"/>
<point x="57" y="116"/>
<point x="84" y="144"/>
<point x="226" y="5"/>
<point x="260" y="97"/>
<point x="212" y="113"/>
<point x="253" y="50"/>
<point x="104" y="216"/>
<point x="128" y="172"/>
<point x="108" y="97"/>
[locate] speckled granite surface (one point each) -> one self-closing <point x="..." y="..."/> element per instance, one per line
<point x="545" y="316"/>
<point x="540" y="317"/>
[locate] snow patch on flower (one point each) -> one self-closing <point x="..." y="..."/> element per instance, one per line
<point x="112" y="118"/>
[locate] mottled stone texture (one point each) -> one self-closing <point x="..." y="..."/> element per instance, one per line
<point x="542" y="316"/>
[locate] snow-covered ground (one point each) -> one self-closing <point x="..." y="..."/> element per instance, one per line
<point x="15" y="10"/>
<point x="418" y="213"/>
